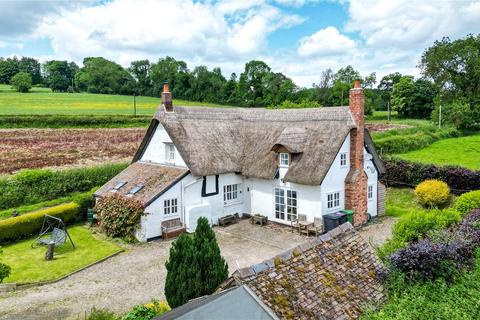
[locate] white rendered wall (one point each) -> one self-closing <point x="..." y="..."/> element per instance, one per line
<point x="373" y="181"/>
<point x="155" y="151"/>
<point x="334" y="180"/>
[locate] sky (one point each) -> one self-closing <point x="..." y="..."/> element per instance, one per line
<point x="299" y="38"/>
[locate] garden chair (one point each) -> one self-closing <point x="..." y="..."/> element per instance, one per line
<point x="317" y="227"/>
<point x="294" y="223"/>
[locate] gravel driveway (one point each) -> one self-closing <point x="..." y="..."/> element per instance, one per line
<point x="138" y="275"/>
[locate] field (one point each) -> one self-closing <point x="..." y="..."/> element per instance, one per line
<point x="38" y="148"/>
<point x="463" y="151"/>
<point x="43" y="101"/>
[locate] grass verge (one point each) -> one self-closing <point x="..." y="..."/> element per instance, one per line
<point x="462" y="151"/>
<point x="28" y="265"/>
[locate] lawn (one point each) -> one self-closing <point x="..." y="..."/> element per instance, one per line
<point x="401" y="201"/>
<point x="463" y="152"/>
<point x="44" y="101"/>
<point x="28" y="265"/>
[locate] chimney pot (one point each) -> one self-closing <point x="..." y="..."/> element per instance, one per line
<point x="167" y="98"/>
<point x="356" y="84"/>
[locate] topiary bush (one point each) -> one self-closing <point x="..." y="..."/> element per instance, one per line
<point x="432" y="193"/>
<point x="118" y="215"/>
<point x="29" y="224"/>
<point x="468" y="201"/>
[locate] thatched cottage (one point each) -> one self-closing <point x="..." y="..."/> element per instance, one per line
<point x="213" y="162"/>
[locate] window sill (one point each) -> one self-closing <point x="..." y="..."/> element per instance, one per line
<point x="228" y="204"/>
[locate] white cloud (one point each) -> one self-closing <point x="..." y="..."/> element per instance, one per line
<point x="207" y="32"/>
<point x="325" y="42"/>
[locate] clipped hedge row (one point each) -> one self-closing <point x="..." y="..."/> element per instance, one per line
<point x="402" y="173"/>
<point x="405" y="141"/>
<point x="73" y="121"/>
<point x="33" y="186"/>
<point x="29" y="224"/>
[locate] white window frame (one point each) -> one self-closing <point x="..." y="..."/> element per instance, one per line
<point x="169" y="152"/>
<point x="170" y="207"/>
<point x="284" y="159"/>
<point x="370" y="192"/>
<point x="343" y="159"/>
<point x="232" y="193"/>
<point x="333" y="200"/>
<point x="285" y="204"/>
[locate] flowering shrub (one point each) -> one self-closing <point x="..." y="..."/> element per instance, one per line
<point x="400" y="173"/>
<point x="468" y="201"/>
<point x="147" y="311"/>
<point x="432" y="193"/>
<point x="118" y="215"/>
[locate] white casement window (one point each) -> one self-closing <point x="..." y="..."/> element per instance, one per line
<point x="343" y="159"/>
<point x="231" y="193"/>
<point x="284" y="159"/>
<point x="333" y="200"/>
<point x="169" y="152"/>
<point x="170" y="206"/>
<point x="370" y="192"/>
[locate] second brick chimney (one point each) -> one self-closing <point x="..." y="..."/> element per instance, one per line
<point x="167" y="98"/>
<point x="357" y="180"/>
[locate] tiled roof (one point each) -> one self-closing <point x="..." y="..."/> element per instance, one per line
<point x="333" y="276"/>
<point x="154" y="178"/>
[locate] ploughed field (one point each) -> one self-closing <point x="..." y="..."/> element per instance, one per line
<point x="38" y="148"/>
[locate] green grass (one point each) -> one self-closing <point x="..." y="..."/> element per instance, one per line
<point x="400" y="201"/>
<point x="462" y="151"/>
<point x="28" y="265"/>
<point x="382" y="117"/>
<point x="43" y="101"/>
<point x="432" y="300"/>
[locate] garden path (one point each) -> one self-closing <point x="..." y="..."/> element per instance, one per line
<point x="138" y="275"/>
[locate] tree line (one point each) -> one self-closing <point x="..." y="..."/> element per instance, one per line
<point x="450" y="78"/>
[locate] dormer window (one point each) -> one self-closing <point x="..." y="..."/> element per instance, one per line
<point x="284" y="159"/>
<point x="169" y="152"/>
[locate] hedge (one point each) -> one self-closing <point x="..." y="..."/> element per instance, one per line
<point x="33" y="186"/>
<point x="402" y="173"/>
<point x="29" y="224"/>
<point x="73" y="121"/>
<point x="405" y="141"/>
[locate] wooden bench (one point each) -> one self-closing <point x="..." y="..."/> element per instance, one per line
<point x="258" y="218"/>
<point x="172" y="228"/>
<point x="223" y="221"/>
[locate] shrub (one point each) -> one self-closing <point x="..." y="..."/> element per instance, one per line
<point x="33" y="186"/>
<point x="432" y="193"/>
<point x="148" y="311"/>
<point x="119" y="215"/>
<point x="414" y="225"/>
<point x="400" y="173"/>
<point x="287" y="104"/>
<point x="468" y="201"/>
<point x="426" y="260"/>
<point x="22" y="81"/>
<point x="195" y="265"/>
<point x="4" y="271"/>
<point x="29" y="224"/>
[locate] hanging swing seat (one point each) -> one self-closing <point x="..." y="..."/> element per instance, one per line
<point x="53" y="231"/>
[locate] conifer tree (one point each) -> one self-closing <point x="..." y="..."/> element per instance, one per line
<point x="182" y="272"/>
<point x="212" y="266"/>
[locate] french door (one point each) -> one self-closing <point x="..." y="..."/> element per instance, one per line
<point x="285" y="204"/>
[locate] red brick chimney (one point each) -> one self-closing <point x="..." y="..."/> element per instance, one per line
<point x="167" y="98"/>
<point x="357" y="180"/>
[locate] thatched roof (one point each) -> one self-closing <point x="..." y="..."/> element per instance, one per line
<point x="155" y="179"/>
<point x="221" y="140"/>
